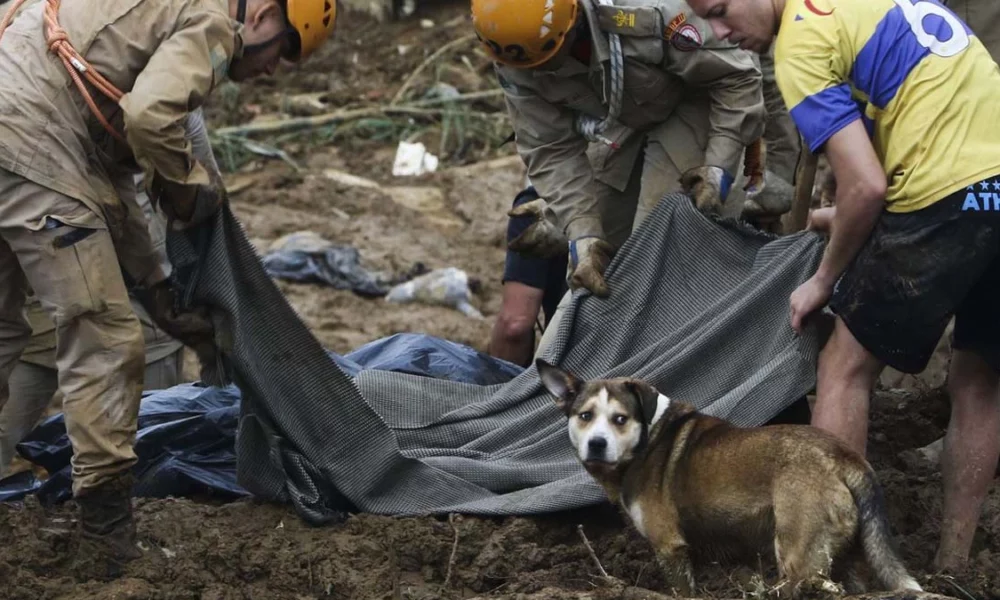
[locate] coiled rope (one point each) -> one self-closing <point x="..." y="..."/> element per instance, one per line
<point x="59" y="44"/>
<point x="590" y="127"/>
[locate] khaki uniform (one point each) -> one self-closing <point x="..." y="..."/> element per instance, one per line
<point x="67" y="202"/>
<point x="983" y="17"/>
<point x="689" y="100"/>
<point x="34" y="382"/>
<point x="781" y="137"/>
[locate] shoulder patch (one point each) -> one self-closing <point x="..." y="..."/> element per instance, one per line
<point x="682" y="35"/>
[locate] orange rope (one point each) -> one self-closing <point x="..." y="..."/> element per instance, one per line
<point x="59" y="44"/>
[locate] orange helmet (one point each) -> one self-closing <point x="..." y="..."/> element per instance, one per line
<point x="313" y="22"/>
<point x="523" y="33"/>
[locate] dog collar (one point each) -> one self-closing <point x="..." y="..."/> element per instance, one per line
<point x="662" y="403"/>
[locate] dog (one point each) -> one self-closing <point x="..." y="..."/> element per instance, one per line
<point x="689" y="481"/>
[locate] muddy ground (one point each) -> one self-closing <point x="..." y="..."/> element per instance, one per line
<point x="247" y="550"/>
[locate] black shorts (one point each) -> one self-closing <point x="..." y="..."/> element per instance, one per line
<point x="546" y="274"/>
<point x="919" y="269"/>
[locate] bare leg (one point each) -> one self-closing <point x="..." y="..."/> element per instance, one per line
<point x="969" y="459"/>
<point x="847" y="373"/>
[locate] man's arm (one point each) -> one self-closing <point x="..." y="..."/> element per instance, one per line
<point x="556" y="158"/>
<point x="176" y="80"/>
<point x="734" y="85"/>
<point x="860" y="198"/>
<point x="141" y="247"/>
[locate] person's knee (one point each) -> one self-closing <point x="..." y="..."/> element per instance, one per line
<point x="514" y="327"/>
<point x="845" y="359"/>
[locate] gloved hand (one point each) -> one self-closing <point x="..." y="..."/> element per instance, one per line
<point x="589" y="257"/>
<point x="771" y="198"/>
<point x="708" y="186"/>
<point x="542" y="238"/>
<point x="192" y="328"/>
<point x="187" y="205"/>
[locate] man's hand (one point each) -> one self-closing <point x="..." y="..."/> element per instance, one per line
<point x="192" y="328"/>
<point x="542" y="238"/>
<point x="589" y="257"/>
<point x="821" y="219"/>
<point x="708" y="186"/>
<point x="807" y="298"/>
<point x="771" y="197"/>
<point x="187" y="205"/>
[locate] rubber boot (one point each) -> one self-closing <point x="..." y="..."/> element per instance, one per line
<point x="107" y="530"/>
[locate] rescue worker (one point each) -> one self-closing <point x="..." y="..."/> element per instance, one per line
<point x="611" y="106"/>
<point x="70" y="144"/>
<point x="904" y="107"/>
<point x="34" y="381"/>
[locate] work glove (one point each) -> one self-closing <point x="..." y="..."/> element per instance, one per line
<point x="708" y="186"/>
<point x="187" y="205"/>
<point x="542" y="238"/>
<point x="771" y="198"/>
<point x="589" y="257"/>
<point x="192" y="328"/>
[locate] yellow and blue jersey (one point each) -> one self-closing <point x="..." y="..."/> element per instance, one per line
<point x="924" y="86"/>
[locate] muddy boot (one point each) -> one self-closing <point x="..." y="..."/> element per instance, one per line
<point x="107" y="530"/>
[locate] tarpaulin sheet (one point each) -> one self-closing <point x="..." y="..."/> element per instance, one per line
<point x="699" y="307"/>
<point x="186" y="434"/>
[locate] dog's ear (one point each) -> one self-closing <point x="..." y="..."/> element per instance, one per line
<point x="561" y="384"/>
<point x="647" y="396"/>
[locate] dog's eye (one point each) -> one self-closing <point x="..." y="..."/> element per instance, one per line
<point x="619" y="419"/>
<point x="585" y="416"/>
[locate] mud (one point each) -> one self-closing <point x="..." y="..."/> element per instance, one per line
<point x="199" y="549"/>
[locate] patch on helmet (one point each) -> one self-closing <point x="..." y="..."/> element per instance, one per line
<point x="682" y="35"/>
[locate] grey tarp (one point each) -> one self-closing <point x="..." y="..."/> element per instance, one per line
<point x="698" y="307"/>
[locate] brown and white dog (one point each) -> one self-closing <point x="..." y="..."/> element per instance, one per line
<point x="689" y="480"/>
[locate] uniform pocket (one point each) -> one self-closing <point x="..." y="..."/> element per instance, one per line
<point x="71" y="268"/>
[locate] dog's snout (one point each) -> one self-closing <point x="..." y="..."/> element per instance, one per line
<point x="597" y="445"/>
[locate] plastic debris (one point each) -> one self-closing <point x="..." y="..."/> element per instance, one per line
<point x="444" y="287"/>
<point x="413" y="159"/>
<point x="305" y="257"/>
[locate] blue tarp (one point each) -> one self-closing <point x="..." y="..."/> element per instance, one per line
<point x="186" y="434"/>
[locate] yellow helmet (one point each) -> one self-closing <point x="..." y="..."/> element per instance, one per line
<point x="523" y="33"/>
<point x="313" y="22"/>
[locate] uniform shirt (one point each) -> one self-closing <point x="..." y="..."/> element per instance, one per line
<point x="166" y="55"/>
<point x="670" y="57"/>
<point x="925" y="87"/>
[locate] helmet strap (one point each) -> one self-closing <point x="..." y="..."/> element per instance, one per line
<point x="250" y="49"/>
<point x="241" y="11"/>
